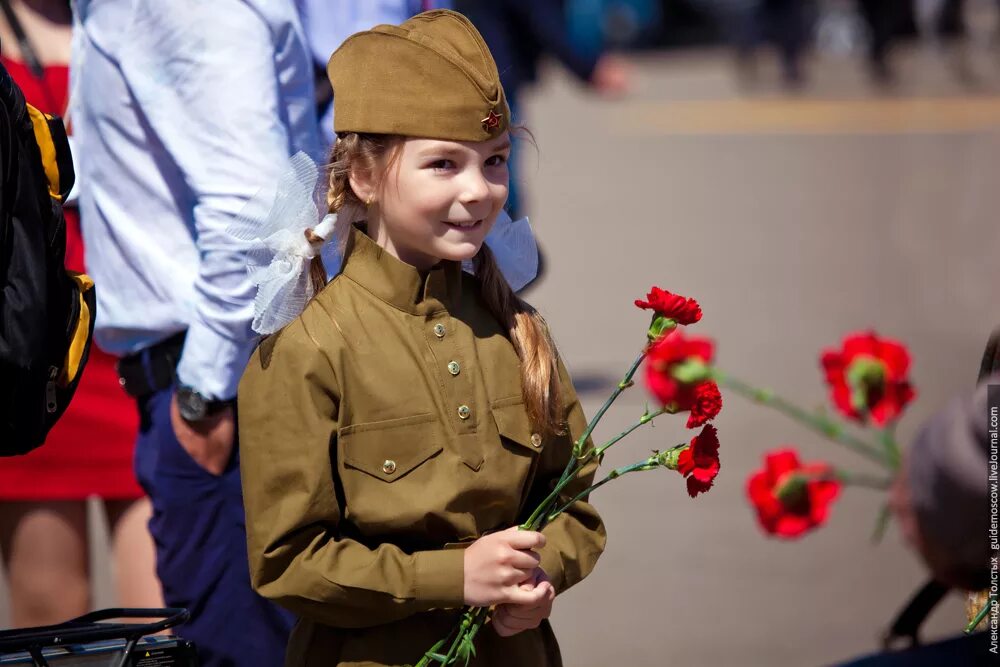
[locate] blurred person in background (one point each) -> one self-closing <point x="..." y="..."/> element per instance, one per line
<point x="941" y="500"/>
<point x="183" y="111"/>
<point x="43" y="512"/>
<point x="752" y="22"/>
<point x="883" y="19"/>
<point x="519" y="33"/>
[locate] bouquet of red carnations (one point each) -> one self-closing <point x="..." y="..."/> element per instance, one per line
<point x="678" y="375"/>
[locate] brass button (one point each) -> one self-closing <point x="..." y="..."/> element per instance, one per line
<point x="389" y="467"/>
<point x="439" y="330"/>
<point x="536" y="440"/>
<point x="464" y="412"/>
<point x="453" y="367"/>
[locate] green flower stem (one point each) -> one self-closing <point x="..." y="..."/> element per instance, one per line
<point x="624" y="384"/>
<point x="887" y="437"/>
<point x="867" y="481"/>
<point x="647" y="464"/>
<point x="971" y="627"/>
<point x="645" y="419"/>
<point x="881" y="523"/>
<point x="578" y="460"/>
<point x="463" y="628"/>
<point x="427" y="659"/>
<point x="821" y="423"/>
<point x="543" y="514"/>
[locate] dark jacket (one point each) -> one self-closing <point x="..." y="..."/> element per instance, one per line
<point x="520" y="32"/>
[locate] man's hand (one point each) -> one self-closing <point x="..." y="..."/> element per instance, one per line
<point x="612" y="76"/>
<point x="210" y="441"/>
<point x="510" y="619"/>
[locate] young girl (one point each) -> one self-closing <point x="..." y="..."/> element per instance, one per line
<point x="393" y="433"/>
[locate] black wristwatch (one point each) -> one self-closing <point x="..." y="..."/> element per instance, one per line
<point x="194" y="407"/>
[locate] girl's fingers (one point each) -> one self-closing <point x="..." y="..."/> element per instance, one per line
<point x="500" y="624"/>
<point x="525" y="560"/>
<point x="524" y="539"/>
<point x="530" y="598"/>
<point x="532" y="615"/>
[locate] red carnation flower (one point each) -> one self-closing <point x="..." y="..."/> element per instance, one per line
<point x="706" y="406"/>
<point x="670" y="357"/>
<point x="699" y="462"/>
<point x="680" y="309"/>
<point x="867" y="377"/>
<point x="790" y="498"/>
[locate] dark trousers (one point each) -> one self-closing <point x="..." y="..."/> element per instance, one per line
<point x="201" y="551"/>
<point x="882" y="17"/>
<point x="783" y="22"/>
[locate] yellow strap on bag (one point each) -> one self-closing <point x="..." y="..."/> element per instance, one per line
<point x="47" y="147"/>
<point x="54" y="164"/>
<point x="81" y="333"/>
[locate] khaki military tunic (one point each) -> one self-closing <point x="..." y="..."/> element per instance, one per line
<point x="380" y="433"/>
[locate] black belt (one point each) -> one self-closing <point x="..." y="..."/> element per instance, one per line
<point x="152" y="369"/>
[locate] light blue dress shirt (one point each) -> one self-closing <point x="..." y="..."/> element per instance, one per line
<point x="182" y="110"/>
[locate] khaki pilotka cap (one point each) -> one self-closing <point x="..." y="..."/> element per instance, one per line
<point x="432" y="76"/>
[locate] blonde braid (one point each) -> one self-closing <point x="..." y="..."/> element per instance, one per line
<point x="540" y="383"/>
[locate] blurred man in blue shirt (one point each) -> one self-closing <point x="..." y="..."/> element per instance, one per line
<point x="183" y="110"/>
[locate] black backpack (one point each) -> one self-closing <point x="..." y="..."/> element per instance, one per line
<point x="46" y="312"/>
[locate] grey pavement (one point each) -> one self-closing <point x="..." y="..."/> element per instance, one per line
<point x="793" y="220"/>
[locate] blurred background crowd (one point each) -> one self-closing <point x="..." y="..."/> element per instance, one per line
<point x="802" y="167"/>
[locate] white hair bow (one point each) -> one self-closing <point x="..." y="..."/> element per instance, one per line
<point x="275" y="227"/>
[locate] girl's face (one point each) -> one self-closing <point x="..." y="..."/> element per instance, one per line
<point x="439" y="199"/>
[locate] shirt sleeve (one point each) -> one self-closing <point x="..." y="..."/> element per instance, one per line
<point x="205" y="79"/>
<point x="576" y="538"/>
<point x="288" y="407"/>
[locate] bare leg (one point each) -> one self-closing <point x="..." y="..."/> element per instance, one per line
<point x="44" y="546"/>
<point x="134" y="553"/>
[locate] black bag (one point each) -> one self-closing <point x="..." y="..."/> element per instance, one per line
<point x="46" y="312"/>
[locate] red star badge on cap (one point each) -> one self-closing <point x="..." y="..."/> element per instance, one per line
<point x="491" y="122"/>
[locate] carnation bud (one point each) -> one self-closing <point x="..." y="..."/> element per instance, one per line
<point x="669" y="459"/>
<point x="659" y="327"/>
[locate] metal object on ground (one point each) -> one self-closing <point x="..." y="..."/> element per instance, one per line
<point x="92" y="640"/>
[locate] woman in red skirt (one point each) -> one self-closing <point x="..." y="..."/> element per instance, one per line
<point x="43" y="513"/>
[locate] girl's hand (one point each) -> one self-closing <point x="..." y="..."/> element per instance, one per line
<point x="510" y="619"/>
<point x="496" y="565"/>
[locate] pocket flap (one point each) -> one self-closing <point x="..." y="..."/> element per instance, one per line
<point x="388" y="450"/>
<point x="513" y="423"/>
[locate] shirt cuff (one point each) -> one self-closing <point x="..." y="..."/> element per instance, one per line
<point x="212" y="364"/>
<point x="439" y="577"/>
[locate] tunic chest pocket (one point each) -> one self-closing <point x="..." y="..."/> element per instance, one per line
<point x="389" y="450"/>
<point x="392" y="473"/>
<point x="522" y="446"/>
<point x="514" y="426"/>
